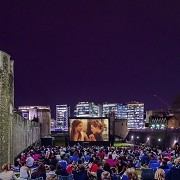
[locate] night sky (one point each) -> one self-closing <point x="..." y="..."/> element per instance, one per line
<point x="100" y="51"/>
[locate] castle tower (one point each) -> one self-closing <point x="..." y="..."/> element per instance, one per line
<point x="6" y="107"/>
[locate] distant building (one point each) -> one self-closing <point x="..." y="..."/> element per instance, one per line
<point x="122" y="111"/>
<point x="173" y="123"/>
<point x="41" y="114"/>
<point x="118" y="127"/>
<point x="158" y="122"/>
<point x="135" y="115"/>
<point x="88" y="109"/>
<point x="159" y="113"/>
<point x="132" y="111"/>
<point x="53" y="124"/>
<point x="161" y="119"/>
<point x="109" y="108"/>
<point x="62" y="115"/>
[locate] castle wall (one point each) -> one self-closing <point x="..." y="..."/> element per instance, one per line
<point x="16" y="133"/>
<point x="24" y="134"/>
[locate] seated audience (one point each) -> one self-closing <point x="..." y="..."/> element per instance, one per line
<point x="174" y="173"/>
<point x="61" y="171"/>
<point x="24" y="171"/>
<point x="131" y="174"/>
<point x="105" y="175"/>
<point x="159" y="175"/>
<point x="164" y="165"/>
<point x="7" y="173"/>
<point x="110" y="161"/>
<point x="51" y="175"/>
<point x="40" y="172"/>
<point x="121" y="166"/>
<point x="80" y="173"/>
<point x="30" y="160"/>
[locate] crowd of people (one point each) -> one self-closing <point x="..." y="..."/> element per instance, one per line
<point x="95" y="162"/>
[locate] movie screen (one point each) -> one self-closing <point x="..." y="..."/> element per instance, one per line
<point x="96" y="129"/>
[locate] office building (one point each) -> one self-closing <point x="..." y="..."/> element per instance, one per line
<point x="109" y="108"/>
<point x="122" y="111"/>
<point x="62" y="115"/>
<point x="135" y="115"/>
<point x="88" y="109"/>
<point x="118" y="109"/>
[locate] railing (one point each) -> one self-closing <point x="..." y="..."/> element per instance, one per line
<point x="169" y="130"/>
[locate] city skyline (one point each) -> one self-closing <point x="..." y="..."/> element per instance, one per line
<point x="67" y="52"/>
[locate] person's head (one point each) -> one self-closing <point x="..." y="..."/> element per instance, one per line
<point x="160" y="174"/>
<point x="58" y="167"/>
<point x="80" y="161"/>
<point x="6" y="167"/>
<point x="95" y="161"/>
<point x="164" y="162"/>
<point x="96" y="127"/>
<point x="106" y="167"/>
<point x="41" y="169"/>
<point x="103" y="162"/>
<point x="105" y="175"/>
<point x="23" y="163"/>
<point x="52" y="168"/>
<point x="113" y="170"/>
<point x="81" y="168"/>
<point x="177" y="161"/>
<point x="77" y="125"/>
<point x="131" y="174"/>
<point x="121" y="158"/>
<point x="110" y="156"/>
<point x="76" y="128"/>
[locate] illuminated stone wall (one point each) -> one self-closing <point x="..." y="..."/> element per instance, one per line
<point x="24" y="134"/>
<point x="6" y="107"/>
<point x="16" y="133"/>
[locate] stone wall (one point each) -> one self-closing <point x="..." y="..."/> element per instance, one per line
<point x="24" y="134"/>
<point x="18" y="137"/>
<point x="6" y="107"/>
<point x="16" y="133"/>
<point x="120" y="128"/>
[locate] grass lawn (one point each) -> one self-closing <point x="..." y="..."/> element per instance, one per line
<point x="116" y="144"/>
<point x="119" y="144"/>
<point x="59" y="143"/>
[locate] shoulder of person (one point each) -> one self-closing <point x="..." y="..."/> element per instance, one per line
<point x="51" y="177"/>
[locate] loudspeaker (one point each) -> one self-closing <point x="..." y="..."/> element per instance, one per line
<point x="146" y="124"/>
<point x="66" y="141"/>
<point x="47" y="141"/>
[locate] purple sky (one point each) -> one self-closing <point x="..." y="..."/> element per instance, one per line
<point x="70" y="51"/>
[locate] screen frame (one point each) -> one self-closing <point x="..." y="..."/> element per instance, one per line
<point x="89" y="118"/>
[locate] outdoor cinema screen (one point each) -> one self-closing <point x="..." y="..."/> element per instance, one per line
<point x="89" y="129"/>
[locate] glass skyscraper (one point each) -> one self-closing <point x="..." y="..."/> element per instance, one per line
<point x="62" y="115"/>
<point x="109" y="108"/>
<point x="135" y="115"/>
<point x="88" y="109"/>
<point x="132" y="111"/>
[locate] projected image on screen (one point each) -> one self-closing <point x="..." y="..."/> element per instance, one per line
<point x="89" y="129"/>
